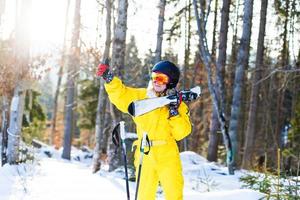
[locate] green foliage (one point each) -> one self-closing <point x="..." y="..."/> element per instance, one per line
<point x="294" y="133"/>
<point x="281" y="7"/>
<point x="47" y="99"/>
<point x="259" y="182"/>
<point x="136" y="75"/>
<point x="292" y="150"/>
<point x="149" y="60"/>
<point x="33" y="109"/>
<point x="272" y="186"/>
<point x="35" y="130"/>
<point x="87" y="107"/>
<point x="34" y="118"/>
<point x="171" y="55"/>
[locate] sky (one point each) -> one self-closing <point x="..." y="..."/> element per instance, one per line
<point x="48" y="19"/>
<point x="54" y="178"/>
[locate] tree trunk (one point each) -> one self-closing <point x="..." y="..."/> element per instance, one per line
<point x="70" y="102"/>
<point x="207" y="60"/>
<point x="118" y="61"/>
<point x="221" y="62"/>
<point x="119" y="41"/>
<point x="18" y="101"/>
<point x="4" y="136"/>
<point x="160" y="31"/>
<point x="284" y="62"/>
<point x="251" y="126"/>
<point x="15" y="125"/>
<point x="60" y="74"/>
<point x="187" y="52"/>
<point x="232" y="60"/>
<point x="100" y="142"/>
<point x="212" y="152"/>
<point x="242" y="62"/>
<point x="187" y="45"/>
<point x="214" y="42"/>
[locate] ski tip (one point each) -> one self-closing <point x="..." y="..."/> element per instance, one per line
<point x="131" y="109"/>
<point x="196" y="90"/>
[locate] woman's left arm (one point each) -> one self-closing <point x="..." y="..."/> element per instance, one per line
<point x="180" y="124"/>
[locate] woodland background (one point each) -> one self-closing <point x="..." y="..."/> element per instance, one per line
<point x="244" y="54"/>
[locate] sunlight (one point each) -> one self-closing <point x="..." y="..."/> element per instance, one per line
<point x="47" y="22"/>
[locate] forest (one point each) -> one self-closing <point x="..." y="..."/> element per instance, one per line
<point x="245" y="56"/>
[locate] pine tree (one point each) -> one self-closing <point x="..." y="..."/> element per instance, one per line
<point x="135" y="73"/>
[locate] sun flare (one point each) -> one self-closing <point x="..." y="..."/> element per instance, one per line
<point x="47" y="21"/>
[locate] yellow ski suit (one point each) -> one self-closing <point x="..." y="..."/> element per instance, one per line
<point x="162" y="164"/>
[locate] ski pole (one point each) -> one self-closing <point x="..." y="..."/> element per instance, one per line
<point x="142" y="150"/>
<point x="122" y="134"/>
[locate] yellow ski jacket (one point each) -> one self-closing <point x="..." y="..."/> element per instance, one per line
<point x="163" y="162"/>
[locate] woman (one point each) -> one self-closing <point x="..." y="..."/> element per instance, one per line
<point x="164" y="126"/>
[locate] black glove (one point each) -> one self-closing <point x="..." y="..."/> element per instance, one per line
<point x="173" y="107"/>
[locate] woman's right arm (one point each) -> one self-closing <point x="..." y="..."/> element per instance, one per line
<point x="120" y="95"/>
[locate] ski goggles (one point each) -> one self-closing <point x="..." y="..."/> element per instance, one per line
<point x="159" y="78"/>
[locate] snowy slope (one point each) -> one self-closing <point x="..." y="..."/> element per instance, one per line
<point x="55" y="178"/>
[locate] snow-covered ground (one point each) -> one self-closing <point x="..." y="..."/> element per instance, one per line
<point x="55" y="178"/>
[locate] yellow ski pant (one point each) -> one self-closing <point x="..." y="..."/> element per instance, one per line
<point x="166" y="172"/>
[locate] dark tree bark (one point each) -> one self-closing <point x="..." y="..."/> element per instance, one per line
<point x="242" y="62"/>
<point x="232" y="59"/>
<point x="118" y="61"/>
<point x="187" y="51"/>
<point x="70" y="99"/>
<point x="214" y="41"/>
<point x="208" y="63"/>
<point x="251" y="126"/>
<point x="160" y="31"/>
<point x="4" y="130"/>
<point x="221" y="62"/>
<point x="100" y="141"/>
<point x="60" y="74"/>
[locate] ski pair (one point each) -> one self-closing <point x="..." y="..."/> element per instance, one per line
<point x="140" y="107"/>
<point x="119" y="134"/>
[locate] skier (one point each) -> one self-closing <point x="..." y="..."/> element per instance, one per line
<point x="164" y="126"/>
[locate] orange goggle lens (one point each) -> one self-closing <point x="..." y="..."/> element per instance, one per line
<point x="159" y="78"/>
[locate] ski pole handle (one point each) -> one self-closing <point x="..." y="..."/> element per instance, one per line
<point x="122" y="130"/>
<point x="144" y="142"/>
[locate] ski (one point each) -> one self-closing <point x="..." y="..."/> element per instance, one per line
<point x="141" y="107"/>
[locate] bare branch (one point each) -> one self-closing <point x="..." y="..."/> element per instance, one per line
<point x="279" y="71"/>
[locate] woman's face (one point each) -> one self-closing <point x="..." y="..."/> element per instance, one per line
<point x="158" y="87"/>
<point x="159" y="81"/>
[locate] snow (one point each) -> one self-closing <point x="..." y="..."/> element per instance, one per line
<point x="48" y="178"/>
